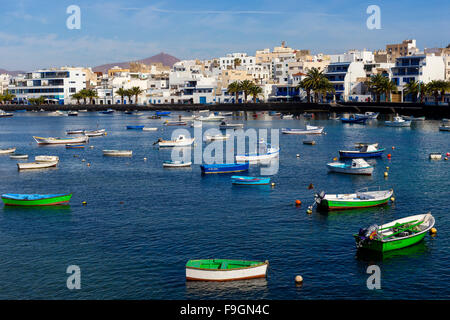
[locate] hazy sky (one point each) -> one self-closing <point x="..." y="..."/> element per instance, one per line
<point x="33" y="34"/>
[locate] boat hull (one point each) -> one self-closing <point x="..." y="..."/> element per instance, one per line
<point x="249" y="181"/>
<point x="117" y="153"/>
<point x="331" y="205"/>
<point x="36" y="165"/>
<point x="43" y="141"/>
<point x="349" y="170"/>
<point x="252" y="272"/>
<point x="380" y="246"/>
<point x="46" y="201"/>
<point x="224" y="168"/>
<point x="357" y="154"/>
<point x="135" y="127"/>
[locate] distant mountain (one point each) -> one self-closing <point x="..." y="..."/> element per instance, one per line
<point x="12" y="73"/>
<point x="164" y="58"/>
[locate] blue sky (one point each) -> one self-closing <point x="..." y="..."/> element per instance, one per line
<point x="33" y="34"/>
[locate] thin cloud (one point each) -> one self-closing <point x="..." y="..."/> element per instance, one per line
<point x="206" y="11"/>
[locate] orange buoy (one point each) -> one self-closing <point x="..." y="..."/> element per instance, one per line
<point x="448" y="154"/>
<point x="389" y="156"/>
<point x="298" y="202"/>
<point x="393" y="148"/>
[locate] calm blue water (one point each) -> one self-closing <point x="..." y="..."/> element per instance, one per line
<point x="142" y="222"/>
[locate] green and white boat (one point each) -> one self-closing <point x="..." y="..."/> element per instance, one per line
<point x="395" y="235"/>
<point x="363" y="198"/>
<point x="225" y="269"/>
<point x="10" y="199"/>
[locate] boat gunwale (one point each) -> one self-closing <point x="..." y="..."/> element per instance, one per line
<point x="57" y="196"/>
<point x="243" y="268"/>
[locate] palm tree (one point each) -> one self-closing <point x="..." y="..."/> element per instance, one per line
<point x="234" y="88"/>
<point x="77" y="96"/>
<point x="435" y="87"/>
<point x="325" y="87"/>
<point x="237" y="62"/>
<point x="84" y="94"/>
<point x="412" y="88"/>
<point x="375" y="85"/>
<point x="8" y="97"/>
<point x="129" y="95"/>
<point x="91" y="94"/>
<point x="246" y="85"/>
<point x="387" y="87"/>
<point x="1" y="99"/>
<point x="423" y="91"/>
<point x="121" y="92"/>
<point x="136" y="91"/>
<point x="306" y="85"/>
<point x="255" y="91"/>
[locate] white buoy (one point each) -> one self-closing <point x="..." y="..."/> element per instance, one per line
<point x="298" y="279"/>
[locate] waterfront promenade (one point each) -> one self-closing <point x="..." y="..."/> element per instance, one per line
<point x="414" y="109"/>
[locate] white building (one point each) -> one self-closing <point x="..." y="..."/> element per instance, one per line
<point x="228" y="62"/>
<point x="353" y="56"/>
<point x="4" y="82"/>
<point x="55" y="85"/>
<point x="344" y="76"/>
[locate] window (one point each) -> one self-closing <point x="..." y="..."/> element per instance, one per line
<point x="72" y="90"/>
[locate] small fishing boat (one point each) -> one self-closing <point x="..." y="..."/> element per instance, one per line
<point x="175" y="123"/>
<point x="210" y="118"/>
<point x="358" y="166"/>
<point x="94" y="133"/>
<point x="176" y="164"/>
<point x="308" y="130"/>
<point x="444" y="128"/>
<point x="310" y="142"/>
<point x="118" y="153"/>
<point x="226" y="114"/>
<point x="412" y="118"/>
<point x="266" y="152"/>
<point x="360" y="145"/>
<point x="18" y="156"/>
<point x="83" y="110"/>
<point x="181" y="141"/>
<point x="128" y="112"/>
<point x="249" y="181"/>
<point x="56" y="113"/>
<point x="355" y="119"/>
<point x="72" y="114"/>
<point x="4" y="114"/>
<point x="203" y="111"/>
<point x="149" y="129"/>
<point x="435" y="156"/>
<point x="109" y="111"/>
<point x="216" y="137"/>
<point x="7" y="151"/>
<point x="361" y="199"/>
<point x="135" y="127"/>
<point x="225" y="270"/>
<point x="154" y="117"/>
<point x="46" y="158"/>
<point x="367" y="151"/>
<point x="74" y="146"/>
<point x="224" y="168"/>
<point x="75" y="131"/>
<point x="370" y="115"/>
<point x="398" y="122"/>
<point x="40" y="140"/>
<point x="162" y="113"/>
<point x="395" y="235"/>
<point x="287" y="116"/>
<point x="36" y="165"/>
<point x="11" y="199"/>
<point x="224" y="125"/>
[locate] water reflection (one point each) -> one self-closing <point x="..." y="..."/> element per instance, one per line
<point x="216" y="290"/>
<point x="417" y="250"/>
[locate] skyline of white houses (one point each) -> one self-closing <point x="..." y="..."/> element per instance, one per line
<point x="278" y="72"/>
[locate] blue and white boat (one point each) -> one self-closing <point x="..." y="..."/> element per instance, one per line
<point x="355" y="119"/>
<point x="224" y="168"/>
<point x="109" y="111"/>
<point x="135" y="127"/>
<point x="265" y="152"/>
<point x="367" y="151"/>
<point x="163" y="113"/>
<point x="249" y="181"/>
<point x="358" y="166"/>
<point x="398" y="122"/>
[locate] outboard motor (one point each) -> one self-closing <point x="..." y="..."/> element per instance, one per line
<point x="318" y="197"/>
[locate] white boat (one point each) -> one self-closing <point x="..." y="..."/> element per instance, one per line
<point x="75" y="131"/>
<point x="18" y="156"/>
<point x="203" y="111"/>
<point x="398" y="122"/>
<point x="265" y="152"/>
<point x="4" y="114"/>
<point x="369" y="115"/>
<point x="118" y="153"/>
<point x="181" y="141"/>
<point x="216" y="137"/>
<point x="210" y="118"/>
<point x="176" y="164"/>
<point x="56" y="113"/>
<point x="226" y="114"/>
<point x="95" y="133"/>
<point x="435" y="156"/>
<point x="46" y="158"/>
<point x="444" y="128"/>
<point x="225" y="125"/>
<point x="84" y="110"/>
<point x="6" y="151"/>
<point x="287" y="116"/>
<point x="81" y="139"/>
<point x="36" y="165"/>
<point x="308" y="130"/>
<point x="72" y="114"/>
<point x="149" y="129"/>
<point x="412" y="118"/>
<point x="186" y="118"/>
<point x="358" y="166"/>
<point x="225" y="270"/>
